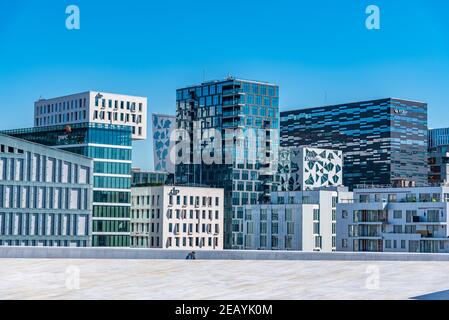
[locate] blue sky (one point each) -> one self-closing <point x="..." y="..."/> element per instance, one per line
<point x="319" y="52"/>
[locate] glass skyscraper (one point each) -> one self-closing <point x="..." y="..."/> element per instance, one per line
<point x="383" y="141"/>
<point x="237" y="120"/>
<point x="439" y="156"/>
<point x="110" y="146"/>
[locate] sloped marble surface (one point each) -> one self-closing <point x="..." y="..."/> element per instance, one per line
<point x="186" y="279"/>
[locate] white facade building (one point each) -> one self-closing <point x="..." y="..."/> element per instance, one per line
<point x="301" y="220"/>
<point x="94" y="106"/>
<point x="181" y="217"/>
<point x="304" y="168"/>
<point x="394" y="220"/>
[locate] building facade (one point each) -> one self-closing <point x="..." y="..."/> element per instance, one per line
<point x="95" y="107"/>
<point x="163" y="142"/>
<point x="236" y="123"/>
<point x="177" y="217"/>
<point x="303" y="168"/>
<point x="439" y="156"/>
<point x="110" y="148"/>
<point x="300" y="220"/>
<point x="383" y="141"/>
<point x="394" y="220"/>
<point x="45" y="195"/>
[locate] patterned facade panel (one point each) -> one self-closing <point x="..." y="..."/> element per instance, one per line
<point x="309" y="168"/>
<point x="163" y="126"/>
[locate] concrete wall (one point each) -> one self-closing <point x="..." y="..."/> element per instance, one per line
<point x="118" y="253"/>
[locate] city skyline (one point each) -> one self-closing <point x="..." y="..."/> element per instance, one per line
<point x="340" y="62"/>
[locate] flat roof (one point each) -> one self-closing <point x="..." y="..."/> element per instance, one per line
<point x="88" y="92"/>
<point x="349" y="103"/>
<point x="54" y="148"/>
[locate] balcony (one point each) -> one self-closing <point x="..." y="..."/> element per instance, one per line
<point x="365" y="218"/>
<point x="426" y="220"/>
<point x="231" y="103"/>
<point x="232" y="92"/>
<point x="233" y="124"/>
<point x="232" y="114"/>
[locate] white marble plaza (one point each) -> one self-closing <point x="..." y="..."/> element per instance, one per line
<point x="186" y="279"/>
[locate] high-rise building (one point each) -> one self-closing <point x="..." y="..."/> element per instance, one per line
<point x="299" y="220"/>
<point x="95" y="107"/>
<point x="304" y="168"/>
<point x="45" y="195"/>
<point x="439" y="156"/>
<point x="394" y="220"/>
<point x="228" y="136"/>
<point x="177" y="217"/>
<point x="110" y="148"/>
<point x="163" y="144"/>
<point x="383" y="141"/>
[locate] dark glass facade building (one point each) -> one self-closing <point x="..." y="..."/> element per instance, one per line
<point x="383" y="141"/>
<point x="243" y="116"/>
<point x="439" y="156"/>
<point x="110" y="146"/>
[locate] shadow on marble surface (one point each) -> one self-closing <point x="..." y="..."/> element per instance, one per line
<point x="441" y="295"/>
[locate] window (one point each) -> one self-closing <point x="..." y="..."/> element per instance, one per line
<point x="274" y="242"/>
<point x="392" y="197"/>
<point x="316" y="228"/>
<point x="344" y="214"/>
<point x="316" y="214"/>
<point x="402" y="244"/>
<point x="334" y="202"/>
<point x="397" y="214"/>
<point x="275" y="215"/>
<point x="364" y="198"/>
<point x="388" y="244"/>
<point x="290" y="228"/>
<point x="274" y="228"/>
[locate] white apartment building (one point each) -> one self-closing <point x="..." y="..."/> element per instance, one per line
<point x="300" y="220"/>
<point x="94" y="106"/>
<point x="394" y="220"/>
<point x="177" y="217"/>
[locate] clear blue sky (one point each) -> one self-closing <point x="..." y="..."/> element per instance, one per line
<point x="151" y="48"/>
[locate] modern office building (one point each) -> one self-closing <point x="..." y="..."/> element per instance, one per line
<point x="228" y="137"/>
<point x="163" y="142"/>
<point x="439" y="156"/>
<point x="304" y="168"/>
<point x="394" y="220"/>
<point x="45" y="195"/>
<point x="177" y="217"/>
<point x="110" y="148"/>
<point x="94" y="107"/>
<point x="140" y="177"/>
<point x="383" y="141"/>
<point x="300" y="220"/>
